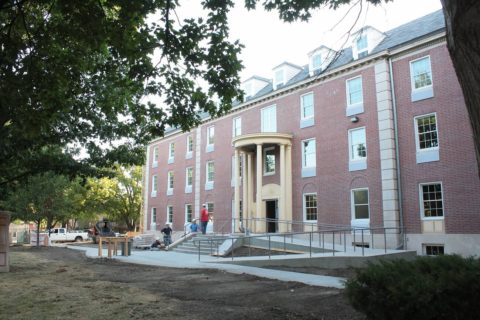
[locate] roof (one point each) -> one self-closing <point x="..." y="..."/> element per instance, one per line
<point x="401" y="35"/>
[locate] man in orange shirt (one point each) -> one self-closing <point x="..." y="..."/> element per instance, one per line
<point x="204" y="218"/>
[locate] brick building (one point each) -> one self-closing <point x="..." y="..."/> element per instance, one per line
<point x="376" y="135"/>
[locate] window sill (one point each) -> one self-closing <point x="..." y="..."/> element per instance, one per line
<point x="428" y="155"/>
<point x="209" y="186"/>
<point x="153" y="194"/>
<point x="188" y="155"/>
<point x="357" y="165"/>
<point x="154" y="164"/>
<point x="188" y="189"/>
<point x="309" y="172"/>
<point x="422" y="93"/>
<point x="169" y="192"/>
<point x="308" y="122"/>
<point x="354" y="109"/>
<point x="210" y="148"/>
<point x="171" y="160"/>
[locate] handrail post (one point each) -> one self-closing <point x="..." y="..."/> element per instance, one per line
<point x="344" y="241"/>
<point x="363" y="244"/>
<point x="385" y="238"/>
<point x="311" y="234"/>
<point x="284" y="244"/>
<point x="354" y="239"/>
<point x="199" y="245"/>
<point x="269" y="248"/>
<point x="371" y="232"/>
<point x="333" y="238"/>
<point x="233" y="249"/>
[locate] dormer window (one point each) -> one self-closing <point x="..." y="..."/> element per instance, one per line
<point x="316" y="61"/>
<point x="253" y="85"/>
<point x="248" y="90"/>
<point x="362" y="46"/>
<point x="279" y="78"/>
<point x="283" y="73"/>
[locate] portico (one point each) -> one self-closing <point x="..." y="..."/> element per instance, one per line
<point x="250" y="150"/>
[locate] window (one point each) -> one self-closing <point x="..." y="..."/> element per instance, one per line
<point x="188" y="212"/>
<point x="434" y="249"/>
<point x="360" y="207"/>
<point x="309" y="156"/>
<point x="310" y="207"/>
<point x="421" y="79"/>
<point x="354" y="96"/>
<point x="154" y="186"/>
<point x="155" y="157"/>
<point x="269" y="119"/>
<point x="426" y="138"/>
<point x="248" y="89"/>
<point x="307" y="111"/>
<point x="171" y="152"/>
<point x="154" y="215"/>
<point x="431" y="200"/>
<point x="354" y="91"/>
<point x="189" y="153"/>
<point x="170" y="183"/>
<point x="188" y="179"/>
<point x="279" y="78"/>
<point x="362" y="46"/>
<point x="210" y="135"/>
<point x="237" y="127"/>
<point x="357" y="145"/>
<point x="210" y="175"/>
<point x="316" y="61"/>
<point x="240" y="168"/>
<point x="169" y="214"/>
<point x="210" y="208"/>
<point x="269" y="161"/>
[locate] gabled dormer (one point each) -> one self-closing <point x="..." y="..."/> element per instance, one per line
<point x="319" y="59"/>
<point x="253" y="85"/>
<point x="365" y="40"/>
<point x="284" y="73"/>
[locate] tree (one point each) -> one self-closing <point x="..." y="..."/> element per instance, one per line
<point x="41" y="199"/>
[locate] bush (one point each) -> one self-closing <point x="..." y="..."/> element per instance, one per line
<point x="443" y="287"/>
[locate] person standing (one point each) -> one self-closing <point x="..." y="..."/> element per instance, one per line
<point x="167" y="235"/>
<point x="204" y="218"/>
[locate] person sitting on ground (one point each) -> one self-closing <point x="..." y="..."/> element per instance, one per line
<point x="167" y="235"/>
<point x="194" y="226"/>
<point x="156" y="245"/>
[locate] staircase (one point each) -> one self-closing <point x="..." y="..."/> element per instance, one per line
<point x="190" y="246"/>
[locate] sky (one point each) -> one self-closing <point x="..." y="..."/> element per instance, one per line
<point x="269" y="42"/>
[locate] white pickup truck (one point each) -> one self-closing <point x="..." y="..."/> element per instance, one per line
<point x="62" y="234"/>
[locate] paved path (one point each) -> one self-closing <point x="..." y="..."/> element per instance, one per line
<point x="181" y="260"/>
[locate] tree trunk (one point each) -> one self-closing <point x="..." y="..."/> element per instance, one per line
<point x="462" y="20"/>
<point x="38" y="233"/>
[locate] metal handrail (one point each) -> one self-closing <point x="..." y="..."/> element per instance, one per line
<point x="311" y="235"/>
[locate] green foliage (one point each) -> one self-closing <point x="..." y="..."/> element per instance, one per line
<point x="443" y="287"/>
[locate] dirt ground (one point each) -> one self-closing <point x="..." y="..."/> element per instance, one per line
<point x="59" y="283"/>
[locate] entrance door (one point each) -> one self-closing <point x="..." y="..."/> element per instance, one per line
<point x="271" y="214"/>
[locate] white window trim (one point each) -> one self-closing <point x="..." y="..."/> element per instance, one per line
<point x="155" y="157"/>
<point x="412" y="81"/>
<point x="356" y="164"/>
<point x="208" y="135"/>
<point x="262" y="122"/>
<point x="276" y="84"/>
<point x="359" y="223"/>
<point x="171" y="155"/>
<point x="154" y="186"/>
<point x="234" y="127"/>
<point x="153" y="222"/>
<point x="170" y="176"/>
<point x="417" y="140"/>
<point x="347" y="87"/>
<point x="188" y="187"/>
<point x="303" y="153"/>
<point x="311" y="61"/>
<point x="420" y="200"/>
<point x="168" y="214"/>
<point x="305" y="207"/>
<point x="209" y="184"/>
<point x="301" y="106"/>
<point x="189" y="153"/>
<point x="359" y="52"/>
<point x="265" y="159"/>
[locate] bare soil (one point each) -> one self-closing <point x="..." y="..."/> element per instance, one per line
<point x="59" y="283"/>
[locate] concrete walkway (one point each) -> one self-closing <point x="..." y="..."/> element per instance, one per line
<point x="181" y="260"/>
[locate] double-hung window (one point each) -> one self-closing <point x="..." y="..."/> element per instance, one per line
<point x="189" y="153"/>
<point x="237" y="127"/>
<point x="362" y="46"/>
<point x="188" y="179"/>
<point x="309" y="158"/>
<point x="154" y="217"/>
<point x="307" y="110"/>
<point x="310" y="207"/>
<point x="169" y="214"/>
<point x="316" y="62"/>
<point x="269" y="161"/>
<point x="426" y="138"/>
<point x="431" y="200"/>
<point x="354" y="96"/>
<point x="269" y="119"/>
<point x="210" y="138"/>
<point x="210" y="175"/>
<point x="154" y="186"/>
<point x="279" y="78"/>
<point x="155" y="157"/>
<point x="171" y="152"/>
<point x="170" y="183"/>
<point x="188" y="212"/>
<point x="357" y="149"/>
<point x="421" y="78"/>
<point x="360" y="208"/>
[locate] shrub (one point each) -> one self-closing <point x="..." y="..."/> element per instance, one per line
<point x="443" y="287"/>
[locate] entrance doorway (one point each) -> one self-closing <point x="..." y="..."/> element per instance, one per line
<point x="272" y="215"/>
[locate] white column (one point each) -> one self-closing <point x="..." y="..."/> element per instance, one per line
<point x="258" y="213"/>
<point x="250" y="188"/>
<point x="237" y="193"/>
<point x="288" y="187"/>
<point x="244" y="187"/>
<point x="283" y="216"/>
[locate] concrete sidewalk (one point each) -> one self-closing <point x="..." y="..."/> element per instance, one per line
<point x="181" y="260"/>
